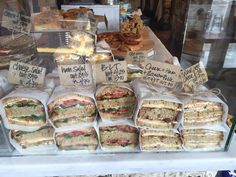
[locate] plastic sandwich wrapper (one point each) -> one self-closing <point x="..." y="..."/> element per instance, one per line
<point x="161" y="149"/>
<point x="144" y="91"/>
<point x="115" y="123"/>
<point x="122" y="85"/>
<point x="79" y="128"/>
<point x="5" y="145"/>
<point x="43" y="148"/>
<point x="37" y="94"/>
<point x="204" y="94"/>
<point x="61" y="91"/>
<point x="5" y="86"/>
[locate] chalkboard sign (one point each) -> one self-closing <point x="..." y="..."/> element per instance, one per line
<point x="26" y="75"/>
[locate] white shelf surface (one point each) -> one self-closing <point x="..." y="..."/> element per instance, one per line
<point x="80" y="164"/>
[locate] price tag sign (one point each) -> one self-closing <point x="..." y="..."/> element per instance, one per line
<point x="75" y="75"/>
<point x="136" y="57"/>
<point x="111" y="71"/>
<point x="163" y="74"/>
<point x="194" y="76"/>
<point x="16" y="22"/>
<point x="26" y="75"/>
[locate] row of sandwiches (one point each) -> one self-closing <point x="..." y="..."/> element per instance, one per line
<point x="113" y="103"/>
<point x="155" y="117"/>
<point x="121" y="138"/>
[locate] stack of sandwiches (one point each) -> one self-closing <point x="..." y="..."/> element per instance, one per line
<point x="43" y="136"/>
<point x="159" y="140"/>
<point x="82" y="42"/>
<point x="118" y="137"/>
<point x="199" y="112"/>
<point x="72" y="109"/>
<point x="24" y="111"/>
<point x="202" y="138"/>
<point x="158" y="114"/>
<point x="115" y="102"/>
<point x="85" y="139"/>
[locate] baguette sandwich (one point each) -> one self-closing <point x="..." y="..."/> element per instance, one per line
<point x="24" y="111"/>
<point x="43" y="136"/>
<point x="77" y="140"/>
<point x="119" y="137"/>
<point x="116" y="102"/>
<point x="72" y="109"/>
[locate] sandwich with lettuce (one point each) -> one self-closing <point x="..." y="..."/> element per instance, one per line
<point x="72" y="109"/>
<point x="24" y="111"/>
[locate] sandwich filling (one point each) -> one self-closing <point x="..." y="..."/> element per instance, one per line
<point x="116" y="102"/>
<point x="77" y="140"/>
<point x="202" y="138"/>
<point x="119" y="136"/>
<point x="158" y="114"/>
<point x="71" y="110"/>
<point x="24" y="111"/>
<point x="152" y="140"/>
<point x="199" y="112"/>
<point x="43" y="136"/>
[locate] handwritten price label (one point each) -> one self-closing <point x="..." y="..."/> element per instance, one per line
<point x="136" y="57"/>
<point x="26" y="75"/>
<point x="194" y="76"/>
<point x="163" y="74"/>
<point x="75" y="74"/>
<point x="111" y="72"/>
<point x="16" y="22"/>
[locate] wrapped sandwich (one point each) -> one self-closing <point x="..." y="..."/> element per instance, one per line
<point x="202" y="112"/>
<point x="158" y="114"/>
<point x="41" y="137"/>
<point x="157" y="107"/>
<point x="115" y="102"/>
<point x="118" y="137"/>
<point x="84" y="139"/>
<point x="202" y="139"/>
<point x="72" y="109"/>
<point x="156" y="140"/>
<point x="24" y="111"/>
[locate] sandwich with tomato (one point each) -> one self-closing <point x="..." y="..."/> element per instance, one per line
<point x="115" y="102"/>
<point x="43" y="136"/>
<point x="24" y="111"/>
<point x="118" y="137"/>
<point x="72" y="109"/>
<point x="85" y="139"/>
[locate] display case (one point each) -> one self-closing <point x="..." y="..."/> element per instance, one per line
<point x="45" y="45"/>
